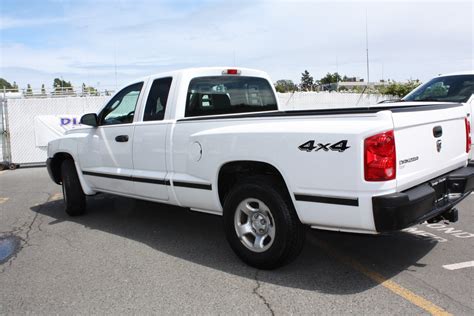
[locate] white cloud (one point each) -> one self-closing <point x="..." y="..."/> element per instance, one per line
<point x="10" y="23"/>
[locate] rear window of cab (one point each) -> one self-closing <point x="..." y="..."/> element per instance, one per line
<point x="215" y="95"/>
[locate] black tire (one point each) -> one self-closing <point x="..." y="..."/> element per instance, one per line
<point x="74" y="197"/>
<point x="289" y="232"/>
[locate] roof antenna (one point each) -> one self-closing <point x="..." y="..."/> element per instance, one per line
<point x="367" y="45"/>
<point x="289" y="99"/>
<point x="367" y="55"/>
<point x="115" y="63"/>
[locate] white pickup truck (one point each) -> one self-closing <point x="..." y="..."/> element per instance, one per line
<point x="214" y="140"/>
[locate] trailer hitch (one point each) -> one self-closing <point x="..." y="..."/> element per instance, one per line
<point x="451" y="216"/>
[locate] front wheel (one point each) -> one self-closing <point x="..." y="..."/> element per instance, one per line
<point x="74" y="197"/>
<point x="261" y="224"/>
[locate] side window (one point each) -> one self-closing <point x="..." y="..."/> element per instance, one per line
<point x="121" y="109"/>
<point x="157" y="99"/>
<point x="436" y="90"/>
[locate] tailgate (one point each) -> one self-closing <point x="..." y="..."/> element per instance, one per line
<point x="430" y="141"/>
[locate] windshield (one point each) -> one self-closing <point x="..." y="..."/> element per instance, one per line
<point x="445" y="89"/>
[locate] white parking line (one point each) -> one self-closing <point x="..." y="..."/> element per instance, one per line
<point x="460" y="265"/>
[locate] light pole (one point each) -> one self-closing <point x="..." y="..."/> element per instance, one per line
<point x="367" y="46"/>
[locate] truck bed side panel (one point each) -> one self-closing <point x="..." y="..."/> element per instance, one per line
<point x="328" y="176"/>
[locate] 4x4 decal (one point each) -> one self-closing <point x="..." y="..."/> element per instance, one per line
<point x="309" y="146"/>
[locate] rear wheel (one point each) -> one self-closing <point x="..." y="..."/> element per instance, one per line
<point x="261" y="224"/>
<point x="74" y="197"/>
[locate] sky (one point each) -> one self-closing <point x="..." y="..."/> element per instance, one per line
<point x="105" y="44"/>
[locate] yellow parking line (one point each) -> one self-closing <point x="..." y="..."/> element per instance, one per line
<point x="3" y="200"/>
<point x="413" y="298"/>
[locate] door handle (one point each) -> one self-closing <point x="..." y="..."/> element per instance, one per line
<point x="121" y="138"/>
<point x="437" y="131"/>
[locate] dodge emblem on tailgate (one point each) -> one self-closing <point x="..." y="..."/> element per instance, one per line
<point x="438" y="145"/>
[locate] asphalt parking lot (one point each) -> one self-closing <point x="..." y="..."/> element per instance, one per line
<point x="127" y="256"/>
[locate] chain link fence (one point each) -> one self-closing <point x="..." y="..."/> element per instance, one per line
<point x="55" y="92"/>
<point x="19" y="141"/>
<point x="328" y="100"/>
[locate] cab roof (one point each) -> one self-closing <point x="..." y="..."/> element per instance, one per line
<point x="200" y="71"/>
<point x="465" y="72"/>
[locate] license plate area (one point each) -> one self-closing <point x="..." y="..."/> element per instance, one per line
<point x="440" y="186"/>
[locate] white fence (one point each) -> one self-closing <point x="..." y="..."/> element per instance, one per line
<point x="25" y="116"/>
<point x="327" y="100"/>
<point x="3" y="130"/>
<point x="21" y="122"/>
<point x="55" y="92"/>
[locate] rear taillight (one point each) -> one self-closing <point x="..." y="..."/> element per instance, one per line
<point x="380" y="157"/>
<point x="468" y="134"/>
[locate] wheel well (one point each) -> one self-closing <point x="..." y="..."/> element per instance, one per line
<point x="232" y="172"/>
<point x="56" y="165"/>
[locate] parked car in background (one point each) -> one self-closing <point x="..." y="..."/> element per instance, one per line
<point x="454" y="87"/>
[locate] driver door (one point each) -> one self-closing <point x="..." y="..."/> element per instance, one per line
<point x="106" y="156"/>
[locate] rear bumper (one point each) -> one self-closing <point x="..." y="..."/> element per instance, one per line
<point x="400" y="210"/>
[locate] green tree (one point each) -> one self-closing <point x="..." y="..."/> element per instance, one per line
<point x="399" y="89"/>
<point x="29" y="91"/>
<point x="307" y="81"/>
<point x="88" y="89"/>
<point x="331" y="78"/>
<point x="283" y="86"/>
<point x="62" y="83"/>
<point x="62" y="86"/>
<point x="343" y="88"/>
<point x="357" y="89"/>
<point x="5" y="84"/>
<point x="14" y="87"/>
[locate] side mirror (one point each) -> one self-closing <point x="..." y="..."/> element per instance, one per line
<point x="90" y="119"/>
